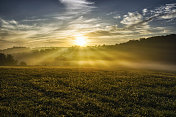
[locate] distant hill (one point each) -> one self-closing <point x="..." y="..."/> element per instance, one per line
<point x="15" y="50"/>
<point x="159" y="48"/>
<point x="167" y="41"/>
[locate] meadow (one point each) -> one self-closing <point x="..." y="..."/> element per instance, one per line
<point x="54" y="91"/>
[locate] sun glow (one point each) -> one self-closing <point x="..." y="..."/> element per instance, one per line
<point x="80" y="40"/>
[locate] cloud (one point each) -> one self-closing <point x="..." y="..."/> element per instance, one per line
<point x="102" y="33"/>
<point x="169" y="16"/>
<point x="132" y="18"/>
<point x="135" y="19"/>
<point x="117" y="17"/>
<point x="144" y="11"/>
<point x="83" y="25"/>
<point x="165" y="12"/>
<point x="34" y="20"/>
<point x="14" y="25"/>
<point x="17" y="33"/>
<point x="77" y="6"/>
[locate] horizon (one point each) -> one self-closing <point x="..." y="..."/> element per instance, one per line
<point x="67" y="23"/>
<point x="85" y="46"/>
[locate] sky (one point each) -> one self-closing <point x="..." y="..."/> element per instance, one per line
<point x="56" y="23"/>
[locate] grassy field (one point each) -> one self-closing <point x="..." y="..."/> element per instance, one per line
<point x="47" y="91"/>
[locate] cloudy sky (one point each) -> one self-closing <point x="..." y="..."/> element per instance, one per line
<point x="48" y="23"/>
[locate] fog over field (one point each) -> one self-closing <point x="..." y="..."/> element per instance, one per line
<point x="151" y="53"/>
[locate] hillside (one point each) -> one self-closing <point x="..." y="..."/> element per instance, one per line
<point x="160" y="48"/>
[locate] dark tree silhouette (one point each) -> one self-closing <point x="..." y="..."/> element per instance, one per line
<point x="2" y="59"/>
<point x="6" y="60"/>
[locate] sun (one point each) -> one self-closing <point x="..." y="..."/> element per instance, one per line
<point x="80" y="41"/>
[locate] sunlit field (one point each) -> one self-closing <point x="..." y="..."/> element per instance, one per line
<point x="54" y="91"/>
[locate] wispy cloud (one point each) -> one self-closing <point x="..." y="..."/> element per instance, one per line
<point x="14" y="25"/>
<point x="117" y="17"/>
<point x="135" y="19"/>
<point x="77" y="6"/>
<point x="144" y="11"/>
<point x="28" y="33"/>
<point x="132" y="18"/>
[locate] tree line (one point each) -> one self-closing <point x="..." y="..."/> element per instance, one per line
<point x="8" y="60"/>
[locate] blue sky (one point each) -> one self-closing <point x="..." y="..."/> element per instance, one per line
<point x="37" y="23"/>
